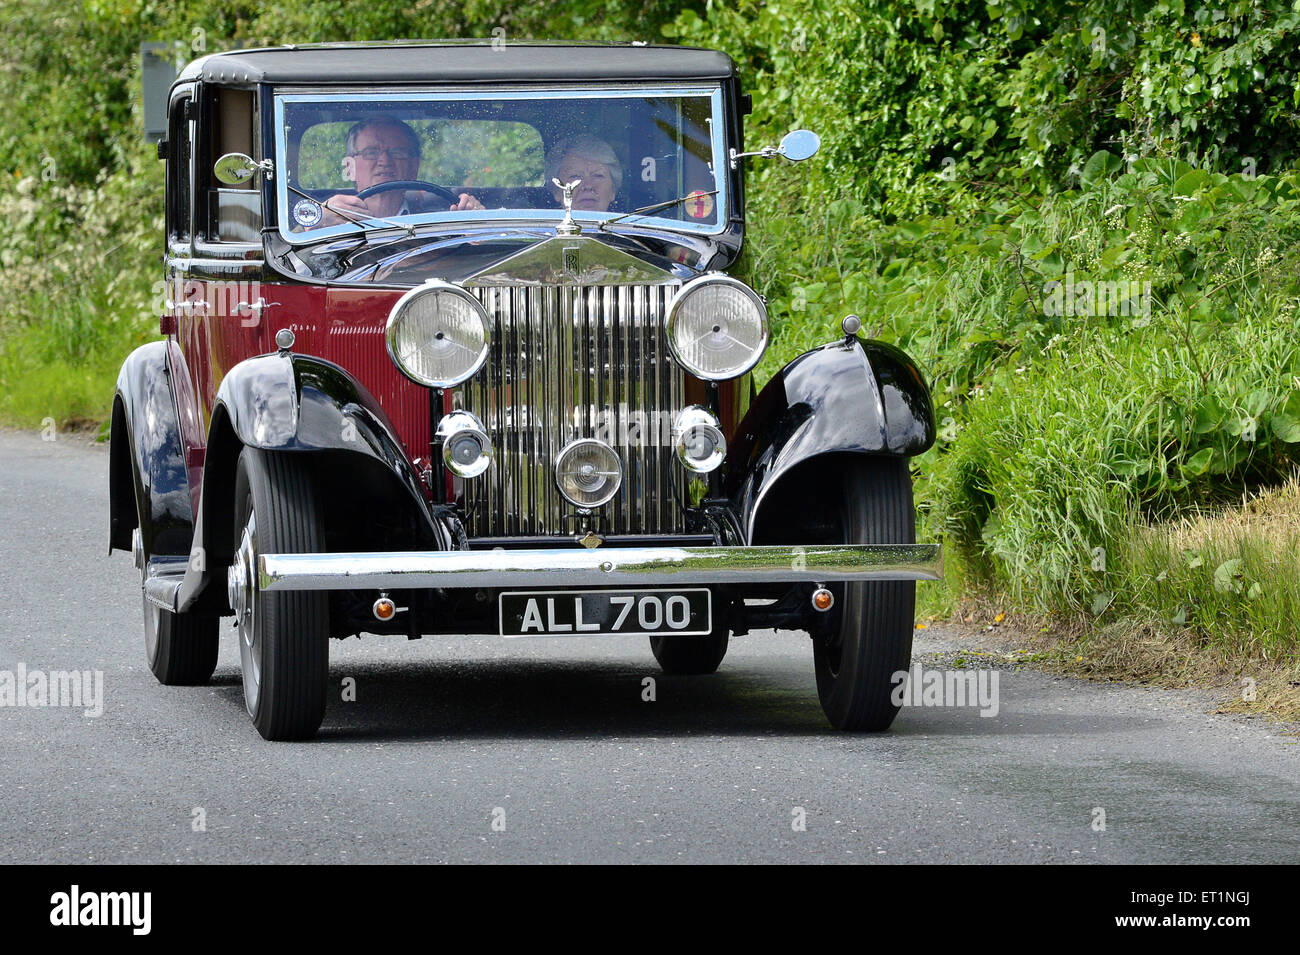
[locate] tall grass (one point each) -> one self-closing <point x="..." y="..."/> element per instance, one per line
<point x="79" y="266"/>
<point x="1231" y="576"/>
<point x="1063" y="436"/>
<point x="62" y="370"/>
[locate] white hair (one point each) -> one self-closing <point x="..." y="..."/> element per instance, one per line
<point x="584" y="147"/>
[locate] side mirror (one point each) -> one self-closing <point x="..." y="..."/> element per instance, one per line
<point x="235" y="169"/>
<point x="799" y="145"/>
<point x="795" y="146"/>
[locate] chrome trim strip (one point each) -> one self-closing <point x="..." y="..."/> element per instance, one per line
<point x="546" y="263"/>
<point x="582" y="567"/>
<point x="184" y="262"/>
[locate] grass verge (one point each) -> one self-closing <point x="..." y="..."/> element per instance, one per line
<point x="1209" y="601"/>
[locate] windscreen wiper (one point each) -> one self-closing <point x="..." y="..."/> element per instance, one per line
<point x="644" y="210"/>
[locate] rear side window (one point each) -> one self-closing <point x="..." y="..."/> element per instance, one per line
<point x="233" y="212"/>
<point x="179" y="157"/>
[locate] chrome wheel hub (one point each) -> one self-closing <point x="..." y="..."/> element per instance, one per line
<point x="241" y="589"/>
<point x="152" y="614"/>
<point x="240" y="580"/>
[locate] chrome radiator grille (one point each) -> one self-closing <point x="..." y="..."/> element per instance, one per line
<point x="570" y="362"/>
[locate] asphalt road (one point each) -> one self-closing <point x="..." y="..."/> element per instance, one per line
<point x="552" y="739"/>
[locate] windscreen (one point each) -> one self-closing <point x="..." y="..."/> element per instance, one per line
<point x="355" y="161"/>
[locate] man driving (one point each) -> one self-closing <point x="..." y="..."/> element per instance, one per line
<point x="382" y="149"/>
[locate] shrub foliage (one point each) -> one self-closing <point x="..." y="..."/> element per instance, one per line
<point x="1079" y="216"/>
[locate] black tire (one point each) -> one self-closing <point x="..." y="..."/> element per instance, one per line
<point x="283" y="635"/>
<point x="691" y="656"/>
<point x="181" y="647"/>
<point x="869" y="638"/>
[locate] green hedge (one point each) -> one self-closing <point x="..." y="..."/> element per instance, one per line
<point x="984" y="164"/>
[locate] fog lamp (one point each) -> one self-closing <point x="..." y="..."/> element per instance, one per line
<point x="588" y="472"/>
<point x="698" y="440"/>
<point x="465" y="447"/>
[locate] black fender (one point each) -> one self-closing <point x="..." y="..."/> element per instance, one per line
<point x="296" y="404"/>
<point x="849" y="396"/>
<point x="147" y="482"/>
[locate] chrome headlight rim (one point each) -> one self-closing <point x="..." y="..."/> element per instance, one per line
<point x="459" y="423"/>
<point x="695" y="418"/>
<point x="615" y="485"/>
<point x="684" y="294"/>
<point x="437" y="286"/>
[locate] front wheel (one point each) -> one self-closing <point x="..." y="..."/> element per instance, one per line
<point x="868" y="639"/>
<point x="283" y="635"/>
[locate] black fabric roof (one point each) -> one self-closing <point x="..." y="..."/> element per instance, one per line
<point x="441" y="61"/>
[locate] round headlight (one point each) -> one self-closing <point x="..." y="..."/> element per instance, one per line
<point x="717" y="327"/>
<point x="588" y="472"/>
<point x="438" y="334"/>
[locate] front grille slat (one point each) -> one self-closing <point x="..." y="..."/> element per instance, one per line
<point x="663" y="430"/>
<point x="570" y="362"/>
<point x="529" y="425"/>
<point x="644" y="456"/>
<point x="513" y="504"/>
<point x="626" y="336"/>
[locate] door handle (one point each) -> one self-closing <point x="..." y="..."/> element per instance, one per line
<point x="254" y="308"/>
<point x="187" y="305"/>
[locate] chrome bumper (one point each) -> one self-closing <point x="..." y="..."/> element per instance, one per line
<point x="615" y="566"/>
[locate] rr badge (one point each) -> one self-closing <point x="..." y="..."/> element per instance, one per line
<point x="572" y="265"/>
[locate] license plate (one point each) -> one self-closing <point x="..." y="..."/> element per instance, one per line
<point x="593" y="613"/>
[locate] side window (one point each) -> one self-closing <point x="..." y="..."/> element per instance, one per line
<point x="180" y="153"/>
<point x="233" y="213"/>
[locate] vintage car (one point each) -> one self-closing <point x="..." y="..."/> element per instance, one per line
<point x="449" y="347"/>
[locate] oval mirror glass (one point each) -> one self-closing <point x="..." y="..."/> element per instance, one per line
<point x="800" y="145"/>
<point x="234" y="169"/>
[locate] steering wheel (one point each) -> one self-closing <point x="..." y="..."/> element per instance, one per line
<point x="405" y="184"/>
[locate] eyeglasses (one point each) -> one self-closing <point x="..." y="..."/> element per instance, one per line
<point x="397" y="154"/>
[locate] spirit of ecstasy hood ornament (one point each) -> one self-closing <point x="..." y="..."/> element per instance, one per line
<point x="568" y="226"/>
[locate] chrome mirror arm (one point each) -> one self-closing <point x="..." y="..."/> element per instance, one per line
<point x="796" y="146"/>
<point x="767" y="152"/>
